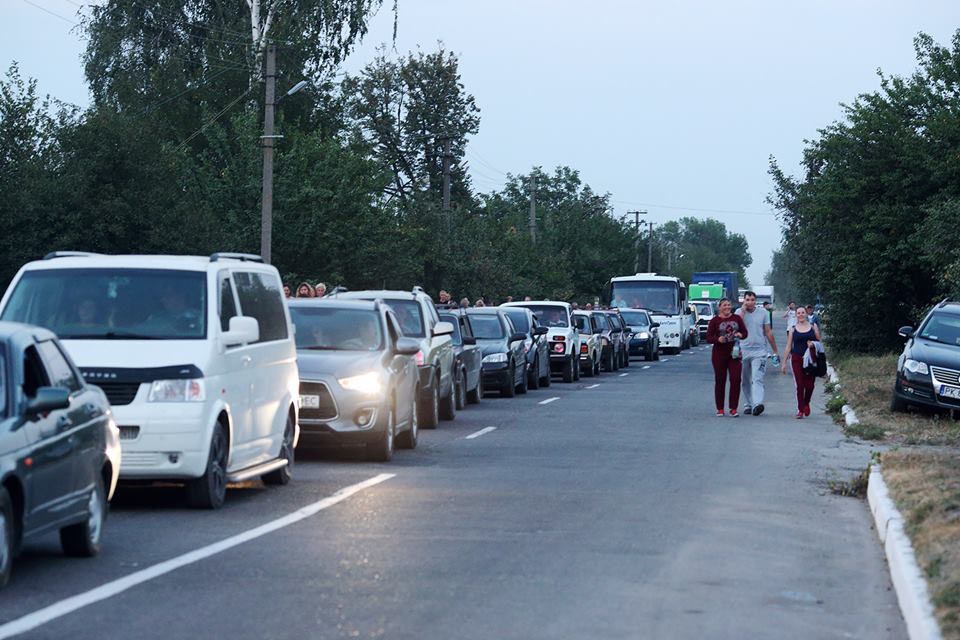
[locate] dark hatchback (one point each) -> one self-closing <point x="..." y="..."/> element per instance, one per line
<point x="534" y="345"/>
<point x="928" y="370"/>
<point x="504" y="363"/>
<point x="467" y="358"/>
<point x="644" y="340"/>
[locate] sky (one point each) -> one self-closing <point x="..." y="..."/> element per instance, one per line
<point x="672" y="107"/>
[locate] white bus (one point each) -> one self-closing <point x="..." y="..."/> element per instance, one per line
<point x="665" y="297"/>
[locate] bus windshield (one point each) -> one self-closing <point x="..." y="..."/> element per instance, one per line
<point x="656" y="297"/>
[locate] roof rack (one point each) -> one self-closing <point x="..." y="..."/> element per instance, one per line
<point x="943" y="303"/>
<point x="337" y="289"/>
<point x="242" y="257"/>
<point x="417" y="289"/>
<point x="70" y="254"/>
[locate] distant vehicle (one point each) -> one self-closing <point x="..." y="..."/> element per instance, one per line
<point x="729" y="280"/>
<point x="467" y="358"/>
<point x="59" y="447"/>
<point x="419" y="319"/>
<point x="705" y="313"/>
<point x="645" y="339"/>
<point x="764" y="293"/>
<point x="706" y="292"/>
<point x="535" y="345"/>
<point x="928" y="370"/>
<point x="195" y="354"/>
<point x="359" y="383"/>
<point x="504" y="362"/>
<point x="622" y="334"/>
<point x="562" y="336"/>
<point x="664" y="297"/>
<point x="694" y="326"/>
<point x="591" y="348"/>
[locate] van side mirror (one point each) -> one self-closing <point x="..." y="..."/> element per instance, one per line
<point x="906" y="332"/>
<point x="48" y="399"/>
<point x="243" y="330"/>
<point x="407" y="346"/>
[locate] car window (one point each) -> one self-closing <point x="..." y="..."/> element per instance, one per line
<point x="60" y="372"/>
<point x="549" y="315"/>
<point x="942" y="327"/>
<point x="486" y="326"/>
<point x="332" y="329"/>
<point x="226" y="304"/>
<point x="34" y="372"/>
<point x="456" y="336"/>
<point x="410" y="315"/>
<point x="519" y="319"/>
<point x="261" y="297"/>
<point x="465" y="327"/>
<point x="583" y="324"/>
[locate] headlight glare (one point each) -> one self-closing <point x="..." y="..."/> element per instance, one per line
<point x="192" y="390"/>
<point x="644" y="335"/>
<point x="495" y="357"/>
<point x="915" y="366"/>
<point x="368" y="383"/>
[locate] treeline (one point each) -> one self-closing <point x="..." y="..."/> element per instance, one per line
<point x="871" y="223"/>
<point x="167" y="159"/>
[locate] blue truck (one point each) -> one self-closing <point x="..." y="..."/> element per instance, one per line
<point x="726" y="278"/>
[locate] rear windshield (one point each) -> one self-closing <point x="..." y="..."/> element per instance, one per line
<point x="113" y="304"/>
<point x="486" y="327"/>
<point x="519" y="319"/>
<point x="549" y="316"/>
<point x="321" y="329"/>
<point x="635" y="318"/>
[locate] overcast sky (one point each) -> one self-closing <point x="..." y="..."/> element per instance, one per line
<point x="674" y="107"/>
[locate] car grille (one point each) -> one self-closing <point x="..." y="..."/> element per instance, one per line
<point x="946" y="376"/>
<point x="119" y="393"/>
<point x="328" y="407"/>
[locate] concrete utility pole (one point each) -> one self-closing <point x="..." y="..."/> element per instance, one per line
<point x="533" y="208"/>
<point x="447" y="157"/>
<point x="650" y="250"/>
<point x="266" y="212"/>
<point x="636" y="239"/>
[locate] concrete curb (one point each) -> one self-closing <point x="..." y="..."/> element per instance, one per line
<point x="849" y="415"/>
<point x="832" y="374"/>
<point x="908" y="581"/>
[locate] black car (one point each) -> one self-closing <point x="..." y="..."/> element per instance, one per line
<point x="610" y="350"/>
<point x="645" y="340"/>
<point x="59" y="447"/>
<point x="504" y="363"/>
<point x="534" y="345"/>
<point x="467" y="358"/>
<point x="928" y="371"/>
<point x="622" y="331"/>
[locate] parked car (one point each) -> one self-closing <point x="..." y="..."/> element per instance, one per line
<point x="645" y="338"/>
<point x="705" y="313"/>
<point x="419" y="319"/>
<point x="534" y="345"/>
<point x="609" y="342"/>
<point x="359" y="382"/>
<point x="694" y="326"/>
<point x="195" y="354"/>
<point x="591" y="349"/>
<point x="562" y="336"/>
<point x="928" y="370"/>
<point x="59" y="447"/>
<point x="467" y="358"/>
<point x="622" y="333"/>
<point x="504" y="362"/>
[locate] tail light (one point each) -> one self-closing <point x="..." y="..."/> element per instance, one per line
<point x="419" y="358"/>
<point x="584" y="350"/>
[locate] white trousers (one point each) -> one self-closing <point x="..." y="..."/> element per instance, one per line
<point x="751" y="385"/>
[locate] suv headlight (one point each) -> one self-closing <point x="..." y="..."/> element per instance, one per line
<point x="915" y="366"/>
<point x="193" y="390"/>
<point x="495" y="357"/>
<point x="368" y="383"/>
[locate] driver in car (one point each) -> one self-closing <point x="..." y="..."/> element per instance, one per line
<point x="175" y="313"/>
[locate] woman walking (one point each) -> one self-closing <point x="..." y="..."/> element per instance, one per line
<point x="724" y="330"/>
<point x="799" y="338"/>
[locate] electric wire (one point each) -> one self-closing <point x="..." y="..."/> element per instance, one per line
<point x="212" y="120"/>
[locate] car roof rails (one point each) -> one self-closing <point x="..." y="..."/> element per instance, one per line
<point x="70" y="254"/>
<point x="337" y="289"/>
<point x="417" y="289"/>
<point x="944" y="303"/>
<point x="242" y="257"/>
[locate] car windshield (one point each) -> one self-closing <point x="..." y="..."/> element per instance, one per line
<point x="325" y="329"/>
<point x="519" y="319"/>
<point x="455" y="321"/>
<point x="410" y="317"/>
<point x="113" y="304"/>
<point x="658" y="297"/>
<point x="942" y="327"/>
<point x="635" y="318"/>
<point x="549" y="315"/>
<point x="486" y="327"/>
<point x="583" y="324"/>
<point x="704" y="308"/>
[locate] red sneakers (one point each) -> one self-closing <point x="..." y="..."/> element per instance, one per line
<point x="806" y="410"/>
<point x="799" y="414"/>
<point x="720" y="414"/>
<point x="733" y="413"/>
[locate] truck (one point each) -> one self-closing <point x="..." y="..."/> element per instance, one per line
<point x="726" y="278"/>
<point x="764" y="294"/>
<point x="664" y="298"/>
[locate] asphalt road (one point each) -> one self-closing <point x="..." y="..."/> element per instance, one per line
<point x="622" y="509"/>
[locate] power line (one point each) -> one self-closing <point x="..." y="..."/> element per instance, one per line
<point x="52" y="13"/>
<point x="213" y="119"/>
<point x="480" y="159"/>
<point x="676" y="208"/>
<point x="159" y="104"/>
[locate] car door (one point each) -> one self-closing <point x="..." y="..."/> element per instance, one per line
<point x="235" y="374"/>
<point x="403" y="369"/>
<point x="519" y="356"/>
<point x="540" y="344"/>
<point x="472" y="354"/>
<point x="441" y="345"/>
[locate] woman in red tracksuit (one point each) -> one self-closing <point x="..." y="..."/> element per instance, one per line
<point x="722" y="332"/>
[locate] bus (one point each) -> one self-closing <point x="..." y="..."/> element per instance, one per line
<point x="665" y="297"/>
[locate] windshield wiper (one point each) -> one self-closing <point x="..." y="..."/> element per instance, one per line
<point x="321" y="348"/>
<point x="110" y="335"/>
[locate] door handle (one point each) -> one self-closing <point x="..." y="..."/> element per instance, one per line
<point x="246" y="360"/>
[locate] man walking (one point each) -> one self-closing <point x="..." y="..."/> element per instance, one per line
<point x="753" y="350"/>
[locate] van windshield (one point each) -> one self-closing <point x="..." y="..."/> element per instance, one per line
<point x="112" y="304"/>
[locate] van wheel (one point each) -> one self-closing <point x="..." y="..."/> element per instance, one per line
<point x="382" y="449"/>
<point x="283" y="475"/>
<point x="408" y="439"/>
<point x="431" y="410"/>
<point x="8" y="542"/>
<point x="568" y="370"/>
<point x="476" y="394"/>
<point x="448" y="405"/>
<point x="210" y="490"/>
<point x="82" y="540"/>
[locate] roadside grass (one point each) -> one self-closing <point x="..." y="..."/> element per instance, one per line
<point x="926" y="488"/>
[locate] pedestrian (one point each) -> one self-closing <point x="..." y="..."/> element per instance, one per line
<point x="464" y="303"/>
<point x="753" y="351"/>
<point x="320" y="289"/>
<point x="769" y="309"/>
<point x="286" y="291"/>
<point x="527" y="298"/>
<point x="444" y="297"/>
<point x="723" y="332"/>
<point x="798" y="340"/>
<point x="791" y="315"/>
<point x="304" y="290"/>
<point x="814" y="318"/>
<point x="574" y="306"/>
<point x="509" y="298"/>
<point x="588" y="306"/>
<point x="479" y="303"/>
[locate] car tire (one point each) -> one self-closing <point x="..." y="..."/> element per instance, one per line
<point x="430" y="413"/>
<point x="545" y="379"/>
<point x="568" y="370"/>
<point x="896" y="404"/>
<point x="522" y="387"/>
<point x="589" y="372"/>
<point x="648" y="356"/>
<point x="615" y="361"/>
<point x="282" y="476"/>
<point x="408" y="438"/>
<point x="461" y="390"/>
<point x="8" y="537"/>
<point x="576" y="368"/>
<point x="448" y="404"/>
<point x="533" y="376"/>
<point x="382" y="449"/>
<point x="82" y="540"/>
<point x="210" y="490"/>
<point x="509" y="390"/>
<point x="476" y="394"/>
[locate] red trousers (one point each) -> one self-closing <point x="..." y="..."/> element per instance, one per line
<point x="723" y="363"/>
<point x="804" y="382"/>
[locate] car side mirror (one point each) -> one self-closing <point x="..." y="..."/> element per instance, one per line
<point x="443" y="329"/>
<point x="906" y="332"/>
<point x="541" y="331"/>
<point x="48" y="399"/>
<point x="407" y="346"/>
<point x="469" y="341"/>
<point x="518" y="337"/>
<point x="243" y="330"/>
<point x="654" y="325"/>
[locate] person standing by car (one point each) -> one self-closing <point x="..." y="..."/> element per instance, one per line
<point x="443" y="299"/>
<point x="754" y="352"/>
<point x="723" y="332"/>
<point x="320" y="289"/>
<point x="798" y="339"/>
<point x="304" y="290"/>
<point x="286" y="292"/>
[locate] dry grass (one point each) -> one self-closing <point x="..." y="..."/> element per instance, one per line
<point x="926" y="487"/>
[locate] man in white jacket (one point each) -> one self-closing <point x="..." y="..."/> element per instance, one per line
<point x="753" y="350"/>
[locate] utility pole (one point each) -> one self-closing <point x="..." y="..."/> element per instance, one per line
<point x="266" y="212"/>
<point x="636" y="238"/>
<point x="447" y="157"/>
<point x="650" y="250"/>
<point x="533" y="208"/>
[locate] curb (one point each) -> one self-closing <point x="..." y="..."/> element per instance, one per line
<point x="849" y="415"/>
<point x="908" y="581"/>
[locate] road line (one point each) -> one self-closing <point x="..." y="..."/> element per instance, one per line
<point x="624" y="375"/>
<point x="549" y="400"/>
<point x="103" y="592"/>
<point x="646" y="366"/>
<point x="480" y="433"/>
<point x="664" y="359"/>
<point x="593" y="386"/>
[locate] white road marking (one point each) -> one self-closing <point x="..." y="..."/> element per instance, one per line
<point x="480" y="433"/>
<point x="593" y="386"/>
<point x="549" y="400"/>
<point x="664" y="359"/>
<point x="69" y="605"/>
<point x="646" y="366"/>
<point x="624" y="375"/>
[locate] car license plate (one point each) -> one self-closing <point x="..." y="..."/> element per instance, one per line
<point x="950" y="392"/>
<point x="309" y="402"/>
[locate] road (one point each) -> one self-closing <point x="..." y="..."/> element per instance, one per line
<point x="622" y="509"/>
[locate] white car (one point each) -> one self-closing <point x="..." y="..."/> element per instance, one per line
<point x="195" y="354"/>
<point x="563" y="338"/>
<point x="591" y="347"/>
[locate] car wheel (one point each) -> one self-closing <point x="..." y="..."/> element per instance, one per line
<point x="476" y="394"/>
<point x="545" y="378"/>
<point x="568" y="370"/>
<point x="510" y="390"/>
<point x="533" y="376"/>
<point x="408" y="439"/>
<point x="461" y="388"/>
<point x="448" y="404"/>
<point x="8" y="537"/>
<point x="589" y="372"/>
<point x="283" y="475"/>
<point x="382" y="449"/>
<point x="615" y="361"/>
<point x="82" y="540"/>
<point x="896" y="404"/>
<point x="576" y="368"/>
<point x="431" y="412"/>
<point x="210" y="490"/>
<point x="648" y="356"/>
<point x="522" y="386"/>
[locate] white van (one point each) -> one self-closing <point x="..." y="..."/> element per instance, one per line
<point x="195" y="354"/>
